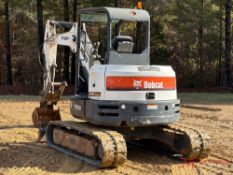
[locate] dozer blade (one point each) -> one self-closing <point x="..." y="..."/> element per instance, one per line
<point x="96" y="146"/>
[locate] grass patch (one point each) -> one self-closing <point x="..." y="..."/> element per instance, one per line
<point x="207" y="98"/>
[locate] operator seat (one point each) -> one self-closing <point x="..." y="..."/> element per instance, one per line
<point x="123" y="44"/>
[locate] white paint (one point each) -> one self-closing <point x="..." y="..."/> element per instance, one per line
<point x="153" y="85"/>
<point x="99" y="72"/>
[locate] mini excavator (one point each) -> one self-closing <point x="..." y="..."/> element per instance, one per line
<point x="119" y="96"/>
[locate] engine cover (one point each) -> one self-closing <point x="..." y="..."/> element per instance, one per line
<point x="132" y="83"/>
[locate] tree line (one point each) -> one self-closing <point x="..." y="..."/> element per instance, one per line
<point x="192" y="36"/>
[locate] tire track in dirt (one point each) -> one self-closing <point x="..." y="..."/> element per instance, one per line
<point x="37" y="156"/>
<point x="216" y="124"/>
<point x="144" y="170"/>
<point x="217" y="164"/>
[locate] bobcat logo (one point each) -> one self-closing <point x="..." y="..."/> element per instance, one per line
<point x="137" y="83"/>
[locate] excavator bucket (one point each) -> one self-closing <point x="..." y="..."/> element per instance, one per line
<point x="42" y="116"/>
<point x="46" y="112"/>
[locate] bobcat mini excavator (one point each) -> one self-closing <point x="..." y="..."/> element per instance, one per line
<point x="119" y="96"/>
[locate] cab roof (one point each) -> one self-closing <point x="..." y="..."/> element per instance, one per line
<point x="120" y="13"/>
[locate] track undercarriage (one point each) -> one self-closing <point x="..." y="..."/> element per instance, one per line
<point x="96" y="146"/>
<point x="107" y="147"/>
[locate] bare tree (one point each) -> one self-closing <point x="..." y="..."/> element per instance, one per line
<point x="117" y="3"/>
<point x="200" y="40"/>
<point x="73" y="60"/>
<point x="40" y="22"/>
<point x="66" y="49"/>
<point x="219" y="63"/>
<point x="7" y="44"/>
<point x="227" y="72"/>
<point x="40" y="28"/>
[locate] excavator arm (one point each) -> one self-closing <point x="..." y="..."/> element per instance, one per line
<point x="52" y="91"/>
<point x="51" y="41"/>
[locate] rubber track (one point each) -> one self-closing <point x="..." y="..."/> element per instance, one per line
<point x="200" y="142"/>
<point x="113" y="144"/>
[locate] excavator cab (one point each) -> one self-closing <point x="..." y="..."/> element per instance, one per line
<point x="121" y="33"/>
<point x="93" y="38"/>
<point x="111" y="36"/>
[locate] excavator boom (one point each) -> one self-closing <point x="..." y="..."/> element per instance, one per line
<point x="52" y="91"/>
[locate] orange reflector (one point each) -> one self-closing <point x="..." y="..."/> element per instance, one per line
<point x="139" y="6"/>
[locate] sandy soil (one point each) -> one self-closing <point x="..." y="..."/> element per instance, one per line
<point x="20" y="154"/>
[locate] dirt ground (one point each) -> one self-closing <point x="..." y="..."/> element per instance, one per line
<point x="20" y="154"/>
